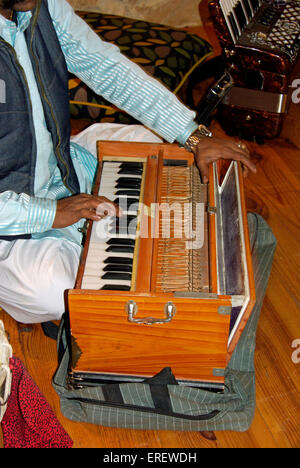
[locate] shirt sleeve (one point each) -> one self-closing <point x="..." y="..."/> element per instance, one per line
<point x="110" y="74"/>
<point x="21" y="214"/>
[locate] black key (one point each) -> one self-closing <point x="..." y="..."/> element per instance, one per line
<point x="120" y="249"/>
<point x="255" y="4"/>
<point x="118" y="230"/>
<point x="118" y="260"/>
<point x="126" y="185"/>
<point x="115" y="287"/>
<point x="128" y="192"/>
<point x="126" y="219"/>
<point x="132" y="230"/>
<point x="131" y="171"/>
<point x="124" y="230"/>
<point x="126" y="201"/>
<point x="247" y="8"/>
<point x="124" y="222"/>
<point x="128" y="182"/>
<point x="233" y="25"/>
<point x="121" y="242"/>
<point x="132" y="164"/>
<point x="240" y="15"/>
<point x="117" y="276"/>
<point x="116" y="267"/>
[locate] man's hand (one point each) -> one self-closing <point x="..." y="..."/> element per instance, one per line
<point x="210" y="150"/>
<point x="71" y="209"/>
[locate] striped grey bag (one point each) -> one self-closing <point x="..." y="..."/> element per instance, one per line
<point x="159" y="402"/>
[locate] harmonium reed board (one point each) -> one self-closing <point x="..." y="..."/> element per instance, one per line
<point x="167" y="284"/>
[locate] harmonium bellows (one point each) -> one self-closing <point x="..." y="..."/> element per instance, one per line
<point x="261" y="44"/>
<point x="169" y="283"/>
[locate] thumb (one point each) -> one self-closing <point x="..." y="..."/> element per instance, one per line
<point x="203" y="169"/>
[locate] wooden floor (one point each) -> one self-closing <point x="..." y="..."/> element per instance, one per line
<point x="274" y="192"/>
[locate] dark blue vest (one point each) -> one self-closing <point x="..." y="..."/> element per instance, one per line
<point x="17" y="137"/>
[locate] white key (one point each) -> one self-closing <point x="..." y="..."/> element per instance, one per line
<point x="100" y="231"/>
<point x="92" y="282"/>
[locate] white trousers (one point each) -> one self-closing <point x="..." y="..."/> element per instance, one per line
<point x="34" y="274"/>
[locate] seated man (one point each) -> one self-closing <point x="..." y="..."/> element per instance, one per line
<point x="45" y="181"/>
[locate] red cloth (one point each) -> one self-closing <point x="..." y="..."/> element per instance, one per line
<point x="29" y="422"/>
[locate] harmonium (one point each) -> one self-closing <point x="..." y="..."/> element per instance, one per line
<point x="169" y="283"/>
<point x="260" y="42"/>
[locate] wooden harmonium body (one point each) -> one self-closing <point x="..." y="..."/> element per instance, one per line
<point x="261" y="43"/>
<point x="170" y="282"/>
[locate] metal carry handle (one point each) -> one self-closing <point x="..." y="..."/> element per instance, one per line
<point x="131" y="309"/>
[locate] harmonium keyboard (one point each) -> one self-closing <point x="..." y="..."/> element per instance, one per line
<point x="169" y="283"/>
<point x="261" y="42"/>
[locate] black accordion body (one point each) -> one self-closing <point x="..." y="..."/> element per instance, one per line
<point x="261" y="42"/>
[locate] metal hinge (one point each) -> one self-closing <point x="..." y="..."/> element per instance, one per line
<point x="212" y="210"/>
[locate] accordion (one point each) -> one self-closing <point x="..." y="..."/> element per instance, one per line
<point x="261" y="42"/>
<point x="169" y="283"/>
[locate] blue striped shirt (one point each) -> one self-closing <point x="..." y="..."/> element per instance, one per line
<point x="106" y="71"/>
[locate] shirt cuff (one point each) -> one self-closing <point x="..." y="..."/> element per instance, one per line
<point x="188" y="131"/>
<point x="41" y="214"/>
